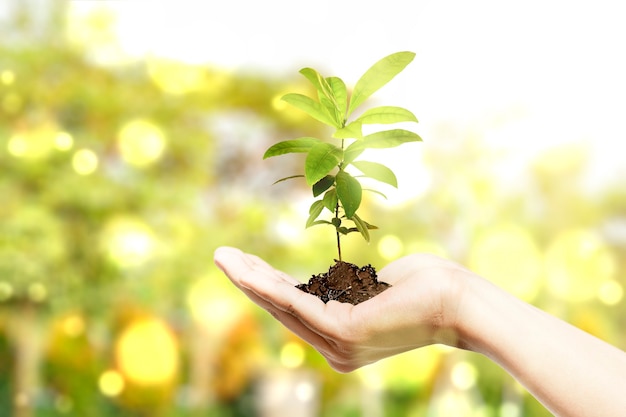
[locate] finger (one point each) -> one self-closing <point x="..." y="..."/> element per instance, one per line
<point x="236" y="264"/>
<point x="294" y="325"/>
<point x="254" y="274"/>
<point x="250" y="273"/>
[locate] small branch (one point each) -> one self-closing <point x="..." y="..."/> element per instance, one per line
<point x="338" y="233"/>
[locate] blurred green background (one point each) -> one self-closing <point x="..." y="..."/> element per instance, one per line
<point x="120" y="176"/>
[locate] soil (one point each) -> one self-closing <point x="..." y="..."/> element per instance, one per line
<point x="346" y="283"/>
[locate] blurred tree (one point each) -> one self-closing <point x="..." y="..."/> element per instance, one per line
<point x="119" y="177"/>
<point x="113" y="175"/>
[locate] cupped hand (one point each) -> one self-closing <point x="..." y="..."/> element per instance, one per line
<point x="420" y="308"/>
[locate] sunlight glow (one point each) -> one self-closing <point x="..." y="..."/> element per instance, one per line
<point x="464" y="375"/>
<point x="305" y="391"/>
<point x="611" y="293"/>
<point x="85" y="162"/>
<point x="509" y="256"/>
<point x="73" y="325"/>
<point x="390" y="247"/>
<point x="7" y="77"/>
<point x="427" y="246"/>
<point x="147" y="352"/>
<point x="510" y="409"/>
<point x="285" y="110"/>
<point x="176" y="78"/>
<point x="111" y="383"/>
<point x="141" y="142"/>
<point x="292" y="355"/>
<point x="578" y="264"/>
<point x="128" y="242"/>
<point x="401" y="371"/>
<point x="63" y="141"/>
<point x="214" y="305"/>
<point x="37" y="292"/>
<point x="35" y="142"/>
<point x="6" y="290"/>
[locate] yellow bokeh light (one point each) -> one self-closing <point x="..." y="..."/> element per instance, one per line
<point x="214" y="305"/>
<point x="292" y="355"/>
<point x="73" y="325"/>
<point x="128" y="242"/>
<point x="509" y="256"/>
<point x="141" y="142"/>
<point x="7" y="77"/>
<point x="6" y="290"/>
<point x="611" y="292"/>
<point x="35" y="143"/>
<point x="286" y="110"/>
<point x="176" y="78"/>
<point x="427" y="246"/>
<point x="147" y="353"/>
<point x="111" y="383"/>
<point x="63" y="141"/>
<point x="390" y="247"/>
<point x="578" y="264"/>
<point x="37" y="292"/>
<point x="412" y="369"/>
<point x="464" y="375"/>
<point x="17" y="146"/>
<point x="85" y="162"/>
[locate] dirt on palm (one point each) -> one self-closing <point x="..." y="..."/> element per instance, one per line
<point x="346" y="283"/>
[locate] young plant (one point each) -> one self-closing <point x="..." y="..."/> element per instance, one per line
<point x="327" y="161"/>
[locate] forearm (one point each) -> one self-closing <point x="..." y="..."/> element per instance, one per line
<point x="571" y="372"/>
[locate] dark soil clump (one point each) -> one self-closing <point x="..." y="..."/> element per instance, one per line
<point x="346" y="283"/>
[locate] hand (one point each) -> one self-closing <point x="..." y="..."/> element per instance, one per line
<point x="433" y="300"/>
<point x="419" y="309"/>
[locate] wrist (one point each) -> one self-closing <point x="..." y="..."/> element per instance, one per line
<point x="463" y="304"/>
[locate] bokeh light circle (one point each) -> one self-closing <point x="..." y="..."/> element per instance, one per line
<point x="509" y="256"/>
<point x="578" y="264"/>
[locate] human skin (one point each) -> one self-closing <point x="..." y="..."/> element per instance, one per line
<point x="436" y="301"/>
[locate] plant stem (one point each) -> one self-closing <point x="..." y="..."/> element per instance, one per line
<point x="337" y="206"/>
<point x="338" y="234"/>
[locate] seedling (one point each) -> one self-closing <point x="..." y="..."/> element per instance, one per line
<point x="327" y="161"/>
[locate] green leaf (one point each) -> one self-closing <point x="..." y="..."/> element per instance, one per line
<point x="352" y="152"/>
<point x="288" y="178"/>
<point x="386" y="115"/>
<point x="314" y="77"/>
<point x="323" y="185"/>
<point x="351" y="131"/>
<point x="318" y="222"/>
<point x="314" y="211"/>
<point x="377" y="171"/>
<point x="325" y="94"/>
<point x="311" y="107"/>
<point x="377" y="76"/>
<point x="322" y="158"/>
<point x="389" y="138"/>
<point x="380" y="140"/>
<point x="330" y="200"/>
<point x="349" y="193"/>
<point x="330" y="107"/>
<point x="340" y="96"/>
<point x="376" y="192"/>
<point x="361" y="227"/>
<point x="299" y="145"/>
<point x="320" y="83"/>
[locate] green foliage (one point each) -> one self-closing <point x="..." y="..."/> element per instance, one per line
<point x="327" y="163"/>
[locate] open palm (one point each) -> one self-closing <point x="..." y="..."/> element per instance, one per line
<point x="416" y="311"/>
